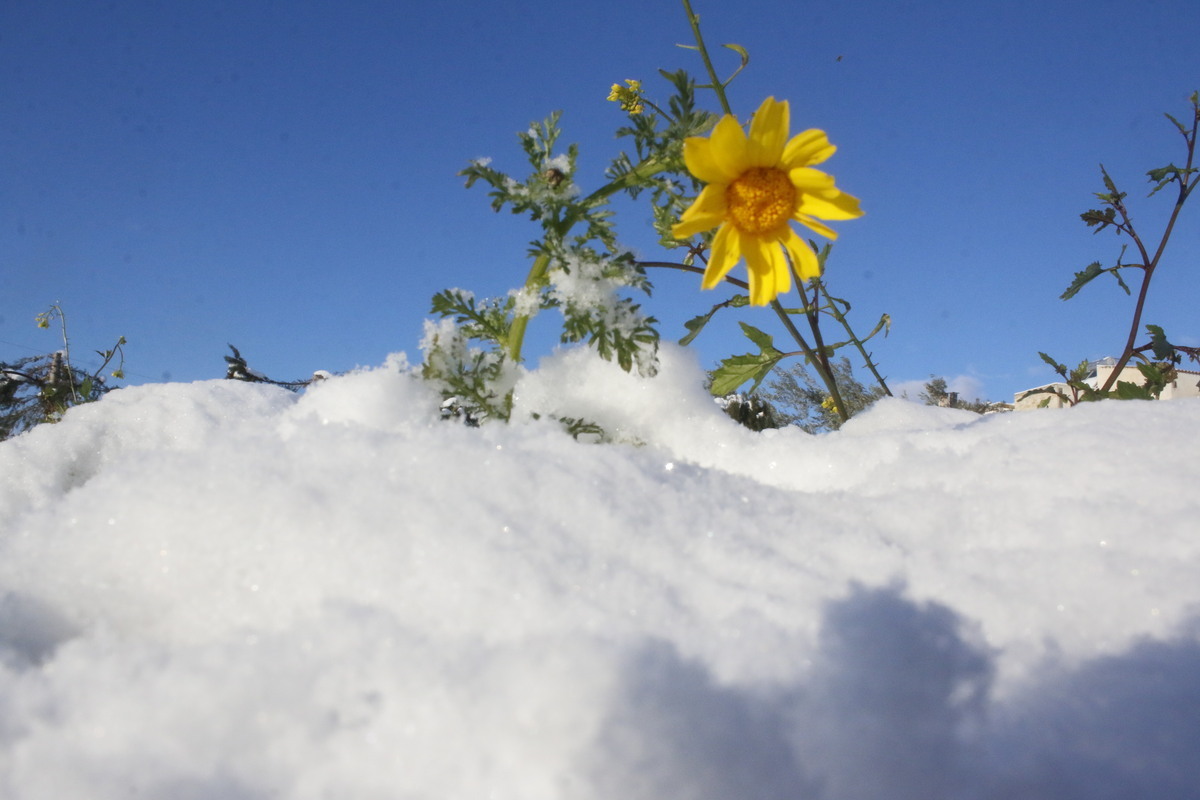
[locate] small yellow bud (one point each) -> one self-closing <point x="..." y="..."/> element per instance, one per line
<point x="629" y="96"/>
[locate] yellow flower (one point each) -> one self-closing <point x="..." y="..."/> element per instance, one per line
<point x="630" y="96"/>
<point x="757" y="186"/>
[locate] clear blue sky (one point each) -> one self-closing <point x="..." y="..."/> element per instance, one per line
<point x="281" y="175"/>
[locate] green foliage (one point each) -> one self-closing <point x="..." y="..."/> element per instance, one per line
<point x="40" y="389"/>
<point x="658" y="138"/>
<point x="818" y="302"/>
<point x="737" y="370"/>
<point x="1114" y="214"/>
<point x="1083" y="386"/>
<point x="579" y="269"/>
<point x="696" y="324"/>
<point x="1090" y="272"/>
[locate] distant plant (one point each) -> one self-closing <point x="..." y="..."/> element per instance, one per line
<point x="1157" y="358"/>
<point x="723" y="198"/>
<point x="236" y="369"/>
<point x="751" y="411"/>
<point x="937" y="393"/>
<point x="41" y="388"/>
<point x="801" y="399"/>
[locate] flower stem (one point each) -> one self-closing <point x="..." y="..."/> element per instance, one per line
<point x="810" y="355"/>
<point x="813" y="357"/>
<point x="858" y="344"/>
<point x="516" y="333"/>
<point x="717" y="86"/>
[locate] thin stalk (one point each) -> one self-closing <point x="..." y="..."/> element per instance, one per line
<point x="62" y="320"/>
<point x="516" y="334"/>
<point x="817" y="357"/>
<point x="813" y="358"/>
<point x="645" y="169"/>
<point x="1151" y="264"/>
<point x="692" y="268"/>
<point x="810" y="354"/>
<point x="717" y="86"/>
<point x="840" y="317"/>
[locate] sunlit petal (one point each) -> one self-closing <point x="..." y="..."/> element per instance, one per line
<point x="708" y="211"/>
<point x="807" y="148"/>
<point x="728" y="151"/>
<point x="768" y="134"/>
<point x="759" y="262"/>
<point x="698" y="156"/>
<point x="803" y="258"/>
<point x="810" y="180"/>
<point x="781" y="273"/>
<point x="835" y="206"/>
<point x="814" y="225"/>
<point x="724" y="255"/>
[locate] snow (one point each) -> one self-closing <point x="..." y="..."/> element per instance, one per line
<point x="225" y="590"/>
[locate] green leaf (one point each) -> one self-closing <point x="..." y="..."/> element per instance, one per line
<point x="1095" y="217"/>
<point x="736" y="370"/>
<point x="1163" y="350"/>
<point x="1061" y="369"/>
<point x="1131" y="391"/>
<point x="885" y="325"/>
<point x="696" y="324"/>
<point x="1157" y="376"/>
<point x="1168" y="174"/>
<point x="1178" y="124"/>
<point x="1114" y="196"/>
<point x="763" y="340"/>
<point x="1116" y="274"/>
<point x="1089" y="273"/>
<point x="744" y="55"/>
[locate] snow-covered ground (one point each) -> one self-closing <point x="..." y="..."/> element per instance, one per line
<point x="224" y="591"/>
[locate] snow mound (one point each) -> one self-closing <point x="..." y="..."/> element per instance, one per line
<point x="222" y="590"/>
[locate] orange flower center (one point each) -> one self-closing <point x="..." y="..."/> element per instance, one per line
<point x="760" y="200"/>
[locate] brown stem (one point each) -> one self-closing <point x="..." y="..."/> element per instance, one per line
<point x="1151" y="263"/>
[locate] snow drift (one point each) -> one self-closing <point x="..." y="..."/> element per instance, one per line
<point x="223" y="590"/>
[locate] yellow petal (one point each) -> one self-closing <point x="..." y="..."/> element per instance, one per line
<point x="706" y="211"/>
<point x="807" y="179"/>
<point x="761" y="288"/>
<point x="804" y="260"/>
<point x="726" y="250"/>
<point x="824" y="230"/>
<point x="768" y="134"/>
<point x="829" y="205"/>
<point x="781" y="272"/>
<point x="760" y="261"/>
<point x="698" y="156"/>
<point x="727" y="149"/>
<point x="807" y="148"/>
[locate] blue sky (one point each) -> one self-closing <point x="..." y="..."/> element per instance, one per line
<point x="282" y="175"/>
